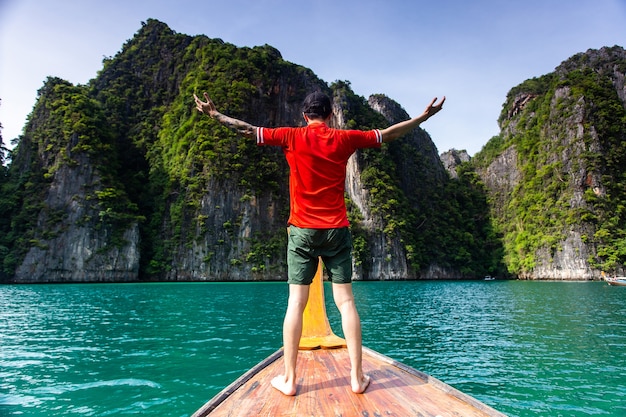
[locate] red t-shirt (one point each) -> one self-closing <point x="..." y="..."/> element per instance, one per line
<point x="317" y="156"/>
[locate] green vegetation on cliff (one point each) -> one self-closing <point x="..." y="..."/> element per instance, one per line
<point x="66" y="128"/>
<point x="163" y="166"/>
<point x="567" y="181"/>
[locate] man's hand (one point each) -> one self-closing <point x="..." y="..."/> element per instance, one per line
<point x="399" y="129"/>
<point x="433" y="108"/>
<point x="207" y="107"/>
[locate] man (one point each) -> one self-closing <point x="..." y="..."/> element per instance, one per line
<point x="318" y="224"/>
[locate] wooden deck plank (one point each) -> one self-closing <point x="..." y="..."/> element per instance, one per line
<point x="324" y="390"/>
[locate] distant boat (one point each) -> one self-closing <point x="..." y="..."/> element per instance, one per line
<point x="489" y="278"/>
<point x="616" y="281"/>
<point x="324" y="381"/>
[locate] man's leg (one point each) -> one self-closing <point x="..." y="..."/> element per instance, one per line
<point x="351" y="324"/>
<point x="292" y="331"/>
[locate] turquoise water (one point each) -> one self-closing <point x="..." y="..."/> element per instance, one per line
<point x="525" y="348"/>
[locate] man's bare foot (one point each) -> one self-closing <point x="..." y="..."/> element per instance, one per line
<point x="359" y="387"/>
<point x="282" y="385"/>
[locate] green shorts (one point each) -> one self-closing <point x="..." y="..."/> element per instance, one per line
<point x="334" y="246"/>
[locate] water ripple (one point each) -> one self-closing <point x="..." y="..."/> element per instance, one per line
<point x="527" y="349"/>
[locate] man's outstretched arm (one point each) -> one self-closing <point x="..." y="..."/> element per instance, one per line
<point x="207" y="107"/>
<point x="402" y="128"/>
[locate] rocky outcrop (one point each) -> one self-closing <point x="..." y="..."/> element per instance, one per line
<point x="501" y="177"/>
<point x="417" y="163"/>
<point x="387" y="258"/>
<point x="452" y="159"/>
<point x="230" y="231"/>
<point x="571" y="259"/>
<point x="558" y="161"/>
<point x="71" y="243"/>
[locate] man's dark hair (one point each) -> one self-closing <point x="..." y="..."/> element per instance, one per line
<point x="317" y="105"/>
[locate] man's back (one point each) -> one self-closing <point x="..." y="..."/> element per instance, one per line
<point x="317" y="156"/>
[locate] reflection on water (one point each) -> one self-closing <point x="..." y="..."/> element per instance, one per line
<point x="525" y="348"/>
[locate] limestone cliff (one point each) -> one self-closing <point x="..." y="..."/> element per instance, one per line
<point x="420" y="174"/>
<point x="236" y="233"/>
<point x="122" y="179"/>
<point x="70" y="220"/>
<point x="385" y="257"/>
<point x="76" y="245"/>
<point x="556" y="172"/>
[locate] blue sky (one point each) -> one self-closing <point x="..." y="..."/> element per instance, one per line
<point x="473" y="52"/>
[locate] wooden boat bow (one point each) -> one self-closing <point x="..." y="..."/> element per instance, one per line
<point x="324" y="382"/>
